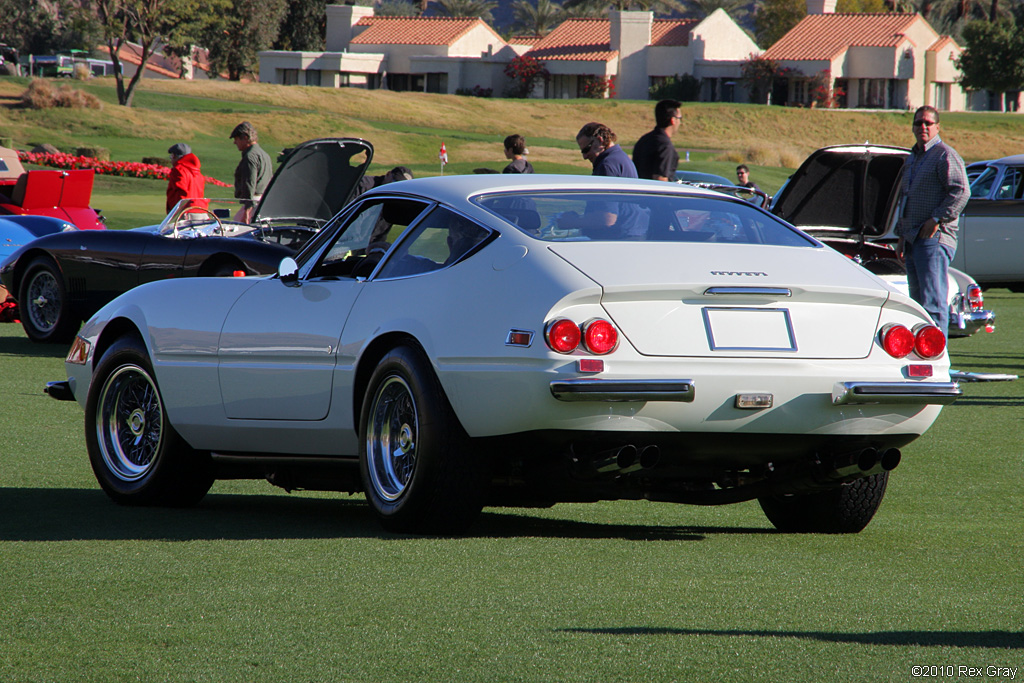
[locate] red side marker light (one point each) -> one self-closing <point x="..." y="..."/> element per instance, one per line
<point x="238" y="273"/>
<point x="590" y="365"/>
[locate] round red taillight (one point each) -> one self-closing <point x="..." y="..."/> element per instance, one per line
<point x="929" y="342"/>
<point x="562" y="335"/>
<point x="897" y="340"/>
<point x="600" y="337"/>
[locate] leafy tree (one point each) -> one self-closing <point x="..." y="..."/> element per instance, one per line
<point x="537" y="20"/>
<point x="37" y="27"/>
<point x="468" y="8"/>
<point x="193" y="27"/>
<point x="304" y="27"/>
<point x="239" y="34"/>
<point x="993" y="57"/>
<point x="776" y="18"/>
<point x="862" y="6"/>
<point x="146" y="23"/>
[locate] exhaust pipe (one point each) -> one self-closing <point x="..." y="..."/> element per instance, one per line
<point x="890" y="459"/>
<point x="615" y="459"/>
<point x="648" y="457"/>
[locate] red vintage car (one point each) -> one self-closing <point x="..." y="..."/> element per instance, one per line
<point x="59" y="194"/>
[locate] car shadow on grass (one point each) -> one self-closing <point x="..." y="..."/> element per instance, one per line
<point x="46" y="514"/>
<point x="22" y="347"/>
<point x="1007" y="640"/>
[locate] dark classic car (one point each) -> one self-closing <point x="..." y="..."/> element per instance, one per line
<point x="845" y="196"/>
<point x="992" y="226"/>
<point x="61" y="280"/>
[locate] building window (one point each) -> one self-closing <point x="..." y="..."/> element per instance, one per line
<point x="872" y="93"/>
<point x="312" y="77"/>
<point x="437" y="83"/>
<point x="942" y="96"/>
<point x="289" y="76"/>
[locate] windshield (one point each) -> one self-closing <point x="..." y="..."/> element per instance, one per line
<point x="579" y="216"/>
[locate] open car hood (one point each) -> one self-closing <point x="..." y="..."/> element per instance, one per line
<point x="843" y="189"/>
<point x="316" y="179"/>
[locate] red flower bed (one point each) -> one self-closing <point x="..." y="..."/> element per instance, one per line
<point x="131" y="169"/>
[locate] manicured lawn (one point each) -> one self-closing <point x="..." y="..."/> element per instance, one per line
<point x="259" y="585"/>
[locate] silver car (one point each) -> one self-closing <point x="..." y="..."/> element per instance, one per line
<point x="991" y="244"/>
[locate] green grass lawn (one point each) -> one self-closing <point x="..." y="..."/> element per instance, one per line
<point x="259" y="585"/>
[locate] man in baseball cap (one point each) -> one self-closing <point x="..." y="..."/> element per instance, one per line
<point x="254" y="171"/>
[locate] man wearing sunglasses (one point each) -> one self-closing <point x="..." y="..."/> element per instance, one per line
<point x="933" y="192"/>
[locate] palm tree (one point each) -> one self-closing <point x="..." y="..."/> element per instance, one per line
<point x="598" y="8"/>
<point x="698" y="9"/>
<point x="537" y="20"/>
<point x="468" y="8"/>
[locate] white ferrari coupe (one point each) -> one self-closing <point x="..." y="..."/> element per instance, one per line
<point x="446" y="344"/>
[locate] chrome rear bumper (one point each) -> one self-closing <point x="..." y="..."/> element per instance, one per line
<point x="941" y="393"/>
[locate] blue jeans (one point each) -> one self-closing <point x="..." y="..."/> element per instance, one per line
<point x="928" y="276"/>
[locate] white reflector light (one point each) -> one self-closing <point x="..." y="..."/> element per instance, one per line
<point x="754" y="401"/>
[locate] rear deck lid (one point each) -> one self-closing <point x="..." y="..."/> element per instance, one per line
<point x="708" y="300"/>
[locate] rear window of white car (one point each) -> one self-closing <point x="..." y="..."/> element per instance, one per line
<point x="578" y="216"/>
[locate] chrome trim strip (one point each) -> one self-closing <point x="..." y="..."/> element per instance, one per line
<point x="755" y="291"/>
<point x="940" y="393"/>
<point x="590" y="389"/>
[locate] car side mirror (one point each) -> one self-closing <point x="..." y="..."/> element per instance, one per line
<point x="288" y="271"/>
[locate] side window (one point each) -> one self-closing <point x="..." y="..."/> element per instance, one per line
<point x="439" y="240"/>
<point x="982" y="185"/>
<point x="1011" y="178"/>
<point x="366" y="237"/>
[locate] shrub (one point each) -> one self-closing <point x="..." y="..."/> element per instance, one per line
<point x="99" y="153"/>
<point x="595" y="87"/>
<point x="685" y="88"/>
<point x="42" y="95"/>
<point x="82" y="72"/>
<point x="475" y="91"/>
<point x="525" y="72"/>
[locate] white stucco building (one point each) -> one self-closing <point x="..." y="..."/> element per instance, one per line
<point x="880" y="61"/>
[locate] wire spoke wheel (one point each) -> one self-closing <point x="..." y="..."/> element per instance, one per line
<point x="129" y="423"/>
<point x="43" y="301"/>
<point x="391" y="439"/>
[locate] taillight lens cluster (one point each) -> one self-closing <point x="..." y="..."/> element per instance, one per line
<point x="597" y="336"/>
<point x="927" y="341"/>
<point x="975" y="298"/>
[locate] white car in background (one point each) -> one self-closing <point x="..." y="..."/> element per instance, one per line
<point x="449" y="343"/>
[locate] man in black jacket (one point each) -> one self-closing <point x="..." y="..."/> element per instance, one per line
<point x="654" y="155"/>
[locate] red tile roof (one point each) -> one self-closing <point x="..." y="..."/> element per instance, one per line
<point x="942" y="42"/>
<point x="590" y="39"/>
<point x="524" y="40"/>
<point x="415" y="30"/>
<point x="825" y="36"/>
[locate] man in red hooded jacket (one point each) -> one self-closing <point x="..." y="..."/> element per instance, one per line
<point x="185" y="179"/>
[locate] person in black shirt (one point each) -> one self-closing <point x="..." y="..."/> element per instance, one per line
<point x="515" y="151"/>
<point x="654" y="155"/>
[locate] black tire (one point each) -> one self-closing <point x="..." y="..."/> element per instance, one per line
<point x="886" y="266"/>
<point x="846" y="509"/>
<point x="43" y="303"/>
<point x="417" y="469"/>
<point x="137" y="456"/>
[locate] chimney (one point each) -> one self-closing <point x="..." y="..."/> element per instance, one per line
<point x="340" y="22"/>
<point x="821" y="6"/>
<point x="630" y="37"/>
